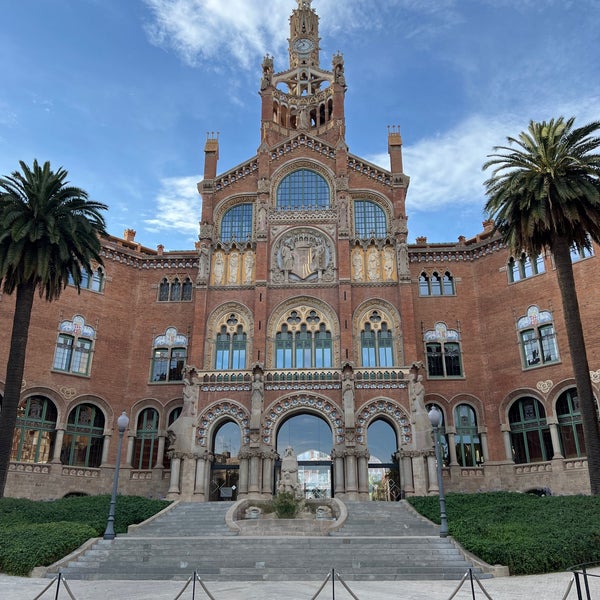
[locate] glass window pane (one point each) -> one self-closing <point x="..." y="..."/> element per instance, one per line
<point x="548" y="343"/>
<point x="81" y="356"/>
<point x="531" y="349"/>
<point x="435" y="365"/>
<point x="303" y="190"/>
<point x="369" y="220"/>
<point x="452" y="360"/>
<point x="63" y="353"/>
<point x="236" y="223"/>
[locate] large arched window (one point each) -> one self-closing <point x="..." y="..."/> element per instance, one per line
<point x="146" y="440"/>
<point x="311" y="439"/>
<point x="530" y="434"/>
<point x="231" y="345"/>
<point x="384" y="476"/>
<point x="303" y="190"/>
<point x="226" y="446"/>
<point x="34" y="435"/>
<point x="236" y="223"/>
<point x="469" y="452"/>
<point x="376" y="342"/>
<point x="570" y="425"/>
<point x="171" y="418"/>
<point x="303" y="343"/>
<point x="84" y="436"/>
<point x="369" y="220"/>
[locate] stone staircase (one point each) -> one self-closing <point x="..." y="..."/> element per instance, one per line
<point x="380" y="541"/>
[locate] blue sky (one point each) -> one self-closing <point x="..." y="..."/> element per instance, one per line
<point x="122" y="92"/>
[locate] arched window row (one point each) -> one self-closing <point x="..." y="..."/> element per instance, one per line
<point x="93" y="281"/>
<point x="292" y="118"/>
<point x="35" y="435"/>
<point x="436" y="284"/>
<point x="175" y="290"/>
<point x="525" y="266"/>
<point x="304" y="341"/>
<point x="537" y="338"/>
<point x="581" y="253"/>
<point x="231" y="346"/>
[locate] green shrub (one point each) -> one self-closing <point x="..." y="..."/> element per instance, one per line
<point x="39" y="533"/>
<point x="528" y="533"/>
<point x="286" y="505"/>
<point x="24" y="547"/>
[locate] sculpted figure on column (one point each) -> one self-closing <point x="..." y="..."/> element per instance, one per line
<point x="419" y="418"/>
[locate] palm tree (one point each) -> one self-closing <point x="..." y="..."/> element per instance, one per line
<point x="544" y="193"/>
<point x="49" y="232"/>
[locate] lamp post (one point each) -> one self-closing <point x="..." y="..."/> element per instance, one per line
<point x="435" y="418"/>
<point x="109" y="533"/>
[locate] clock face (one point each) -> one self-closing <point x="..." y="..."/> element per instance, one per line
<point x="303" y="45"/>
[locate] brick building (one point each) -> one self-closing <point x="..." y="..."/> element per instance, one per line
<point x="304" y="319"/>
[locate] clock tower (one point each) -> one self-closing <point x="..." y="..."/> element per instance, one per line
<point x="305" y="96"/>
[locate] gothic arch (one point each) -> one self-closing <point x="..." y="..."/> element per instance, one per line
<point x="140" y="405"/>
<point x="394" y="413"/>
<point x="103" y="405"/>
<point x="511" y="398"/>
<point x="304" y="304"/>
<point x="361" y="316"/>
<point x="293" y="404"/>
<point x="382" y="201"/>
<point x="60" y="400"/>
<point x="215" y="414"/>
<point x="295" y="165"/>
<point x="229" y="202"/>
<point x="217" y="318"/>
<point x="470" y="400"/>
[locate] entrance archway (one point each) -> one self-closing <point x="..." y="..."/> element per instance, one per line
<point x="224" y="479"/>
<point x="384" y="475"/>
<point x="312" y="440"/>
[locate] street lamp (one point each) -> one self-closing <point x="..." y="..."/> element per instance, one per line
<point x="435" y="418"/>
<point x="109" y="533"/>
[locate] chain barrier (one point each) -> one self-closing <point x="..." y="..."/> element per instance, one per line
<point x="579" y="578"/>
<point x="58" y="580"/>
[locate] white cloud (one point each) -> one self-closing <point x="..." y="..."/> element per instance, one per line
<point x="178" y="206"/>
<point x="445" y="170"/>
<point x="245" y="30"/>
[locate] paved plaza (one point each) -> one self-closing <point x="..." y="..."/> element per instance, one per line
<point x="539" y="587"/>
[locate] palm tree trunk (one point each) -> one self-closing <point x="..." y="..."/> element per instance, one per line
<point x="14" y="376"/>
<point x="589" y="415"/>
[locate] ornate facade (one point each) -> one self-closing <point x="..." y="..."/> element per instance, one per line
<point x="304" y="319"/>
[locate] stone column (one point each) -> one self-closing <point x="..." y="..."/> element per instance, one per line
<point x="255" y="475"/>
<point x="268" y="457"/>
<point x="484" y="443"/>
<point x="406" y="474"/>
<point x="433" y="487"/>
<point x="507" y="442"/>
<point x="244" y="459"/>
<point x="129" y="453"/>
<point x="451" y="432"/>
<point x="202" y="461"/>
<point x="553" y="425"/>
<point x="351" y="475"/>
<point x="58" y="442"/>
<point x="175" y="470"/>
<point x="363" y="473"/>
<point x="105" y="446"/>
<point x="338" y="472"/>
<point x="420" y="479"/>
<point x="160" y="453"/>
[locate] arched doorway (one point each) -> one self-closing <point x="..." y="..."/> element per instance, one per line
<point x="384" y="475"/>
<point x="225" y="469"/>
<point x="311" y="438"/>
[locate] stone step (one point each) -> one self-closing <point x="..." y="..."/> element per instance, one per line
<point x="378" y="541"/>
